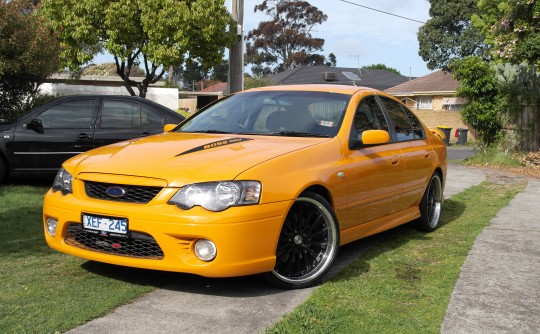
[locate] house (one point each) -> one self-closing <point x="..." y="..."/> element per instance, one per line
<point x="378" y="79"/>
<point x="435" y="91"/>
<point x="432" y="98"/>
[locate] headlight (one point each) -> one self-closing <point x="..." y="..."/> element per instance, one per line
<point x="217" y="196"/>
<point x="62" y="182"/>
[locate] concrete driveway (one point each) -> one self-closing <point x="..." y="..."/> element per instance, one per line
<point x="192" y="304"/>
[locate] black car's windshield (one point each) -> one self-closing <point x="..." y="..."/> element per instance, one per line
<point x="276" y="113"/>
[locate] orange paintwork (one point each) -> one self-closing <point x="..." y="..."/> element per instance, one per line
<point x="371" y="189"/>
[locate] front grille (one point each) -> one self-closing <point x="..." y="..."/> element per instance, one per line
<point x="133" y="194"/>
<point x="139" y="245"/>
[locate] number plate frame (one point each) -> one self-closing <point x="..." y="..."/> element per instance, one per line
<point x="106" y="226"/>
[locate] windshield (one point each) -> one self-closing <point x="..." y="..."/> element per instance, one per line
<point x="277" y="113"/>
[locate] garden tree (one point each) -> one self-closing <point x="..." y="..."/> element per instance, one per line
<point x="331" y="60"/>
<point x="220" y="72"/>
<point x="449" y="33"/>
<point x="512" y="27"/>
<point x="478" y="84"/>
<point x="250" y="82"/>
<point x="382" y="67"/>
<point x="285" y="41"/>
<point x="28" y="55"/>
<point x="154" y="34"/>
<point x="191" y="73"/>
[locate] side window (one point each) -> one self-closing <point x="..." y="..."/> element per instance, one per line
<point x="402" y="126"/>
<point x="418" y="130"/>
<point x="69" y="115"/>
<point x="369" y="116"/>
<point x="125" y="115"/>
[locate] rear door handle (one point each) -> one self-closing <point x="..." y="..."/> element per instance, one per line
<point x="395" y="160"/>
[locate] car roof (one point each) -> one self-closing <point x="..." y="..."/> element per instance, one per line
<point x="343" y="89"/>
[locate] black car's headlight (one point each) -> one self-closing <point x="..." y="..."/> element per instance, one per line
<point x="217" y="196"/>
<point x="62" y="182"/>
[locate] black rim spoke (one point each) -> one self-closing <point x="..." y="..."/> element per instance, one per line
<point x="302" y="242"/>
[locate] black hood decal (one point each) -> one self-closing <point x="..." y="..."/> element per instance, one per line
<point x="215" y="144"/>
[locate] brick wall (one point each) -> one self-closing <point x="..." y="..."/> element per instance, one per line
<point x="434" y="118"/>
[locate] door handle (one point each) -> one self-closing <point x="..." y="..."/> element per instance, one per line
<point x="83" y="136"/>
<point x="395" y="160"/>
<point x="427" y="155"/>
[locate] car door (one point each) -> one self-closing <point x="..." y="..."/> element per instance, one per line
<point x="415" y="148"/>
<point x="121" y="120"/>
<point x="374" y="173"/>
<point x="44" y="141"/>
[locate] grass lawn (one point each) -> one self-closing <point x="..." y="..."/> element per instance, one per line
<point x="44" y="291"/>
<point x="402" y="284"/>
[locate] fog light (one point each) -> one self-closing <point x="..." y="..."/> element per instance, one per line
<point x="205" y="250"/>
<point x="51" y="226"/>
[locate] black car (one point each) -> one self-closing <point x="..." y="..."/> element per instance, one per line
<point x="40" y="141"/>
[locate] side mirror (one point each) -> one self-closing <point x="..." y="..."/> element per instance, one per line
<point x="169" y="127"/>
<point x="35" y="125"/>
<point x="375" y="137"/>
<point x="370" y="138"/>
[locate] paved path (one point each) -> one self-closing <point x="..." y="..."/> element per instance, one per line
<point x="193" y="304"/>
<point x="499" y="287"/>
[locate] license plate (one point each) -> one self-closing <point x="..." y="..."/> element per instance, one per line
<point x="106" y="226"/>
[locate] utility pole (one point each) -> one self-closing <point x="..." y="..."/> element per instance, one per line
<point x="236" y="52"/>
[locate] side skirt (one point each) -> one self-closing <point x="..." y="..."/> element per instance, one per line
<point x="379" y="225"/>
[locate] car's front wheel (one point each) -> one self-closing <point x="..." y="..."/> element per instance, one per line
<point x="431" y="205"/>
<point x="307" y="245"/>
<point x="3" y="170"/>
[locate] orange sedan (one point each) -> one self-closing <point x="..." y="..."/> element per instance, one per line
<point x="271" y="180"/>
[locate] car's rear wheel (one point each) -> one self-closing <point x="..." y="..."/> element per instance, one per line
<point x="431" y="205"/>
<point x="307" y="245"/>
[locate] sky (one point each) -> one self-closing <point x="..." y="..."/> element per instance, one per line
<point x="359" y="36"/>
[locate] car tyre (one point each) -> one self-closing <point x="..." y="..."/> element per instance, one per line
<point x="3" y="170"/>
<point x="431" y="205"/>
<point x="307" y="245"/>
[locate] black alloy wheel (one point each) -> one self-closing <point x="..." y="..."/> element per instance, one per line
<point x="308" y="243"/>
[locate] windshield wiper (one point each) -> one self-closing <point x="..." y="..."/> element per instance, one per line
<point x="298" y="134"/>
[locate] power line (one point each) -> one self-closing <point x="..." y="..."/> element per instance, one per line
<point x="381" y="11"/>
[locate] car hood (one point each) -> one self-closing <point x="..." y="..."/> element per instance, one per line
<point x="183" y="158"/>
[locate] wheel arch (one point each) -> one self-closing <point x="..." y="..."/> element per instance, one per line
<point x="322" y="191"/>
<point x="439" y="171"/>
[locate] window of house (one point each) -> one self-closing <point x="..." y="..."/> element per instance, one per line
<point x="424" y="102"/>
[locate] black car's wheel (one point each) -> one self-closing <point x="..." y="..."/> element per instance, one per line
<point x="431" y="205"/>
<point x="308" y="243"/>
<point x="3" y="170"/>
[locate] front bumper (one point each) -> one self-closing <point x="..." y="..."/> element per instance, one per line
<point x="245" y="237"/>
